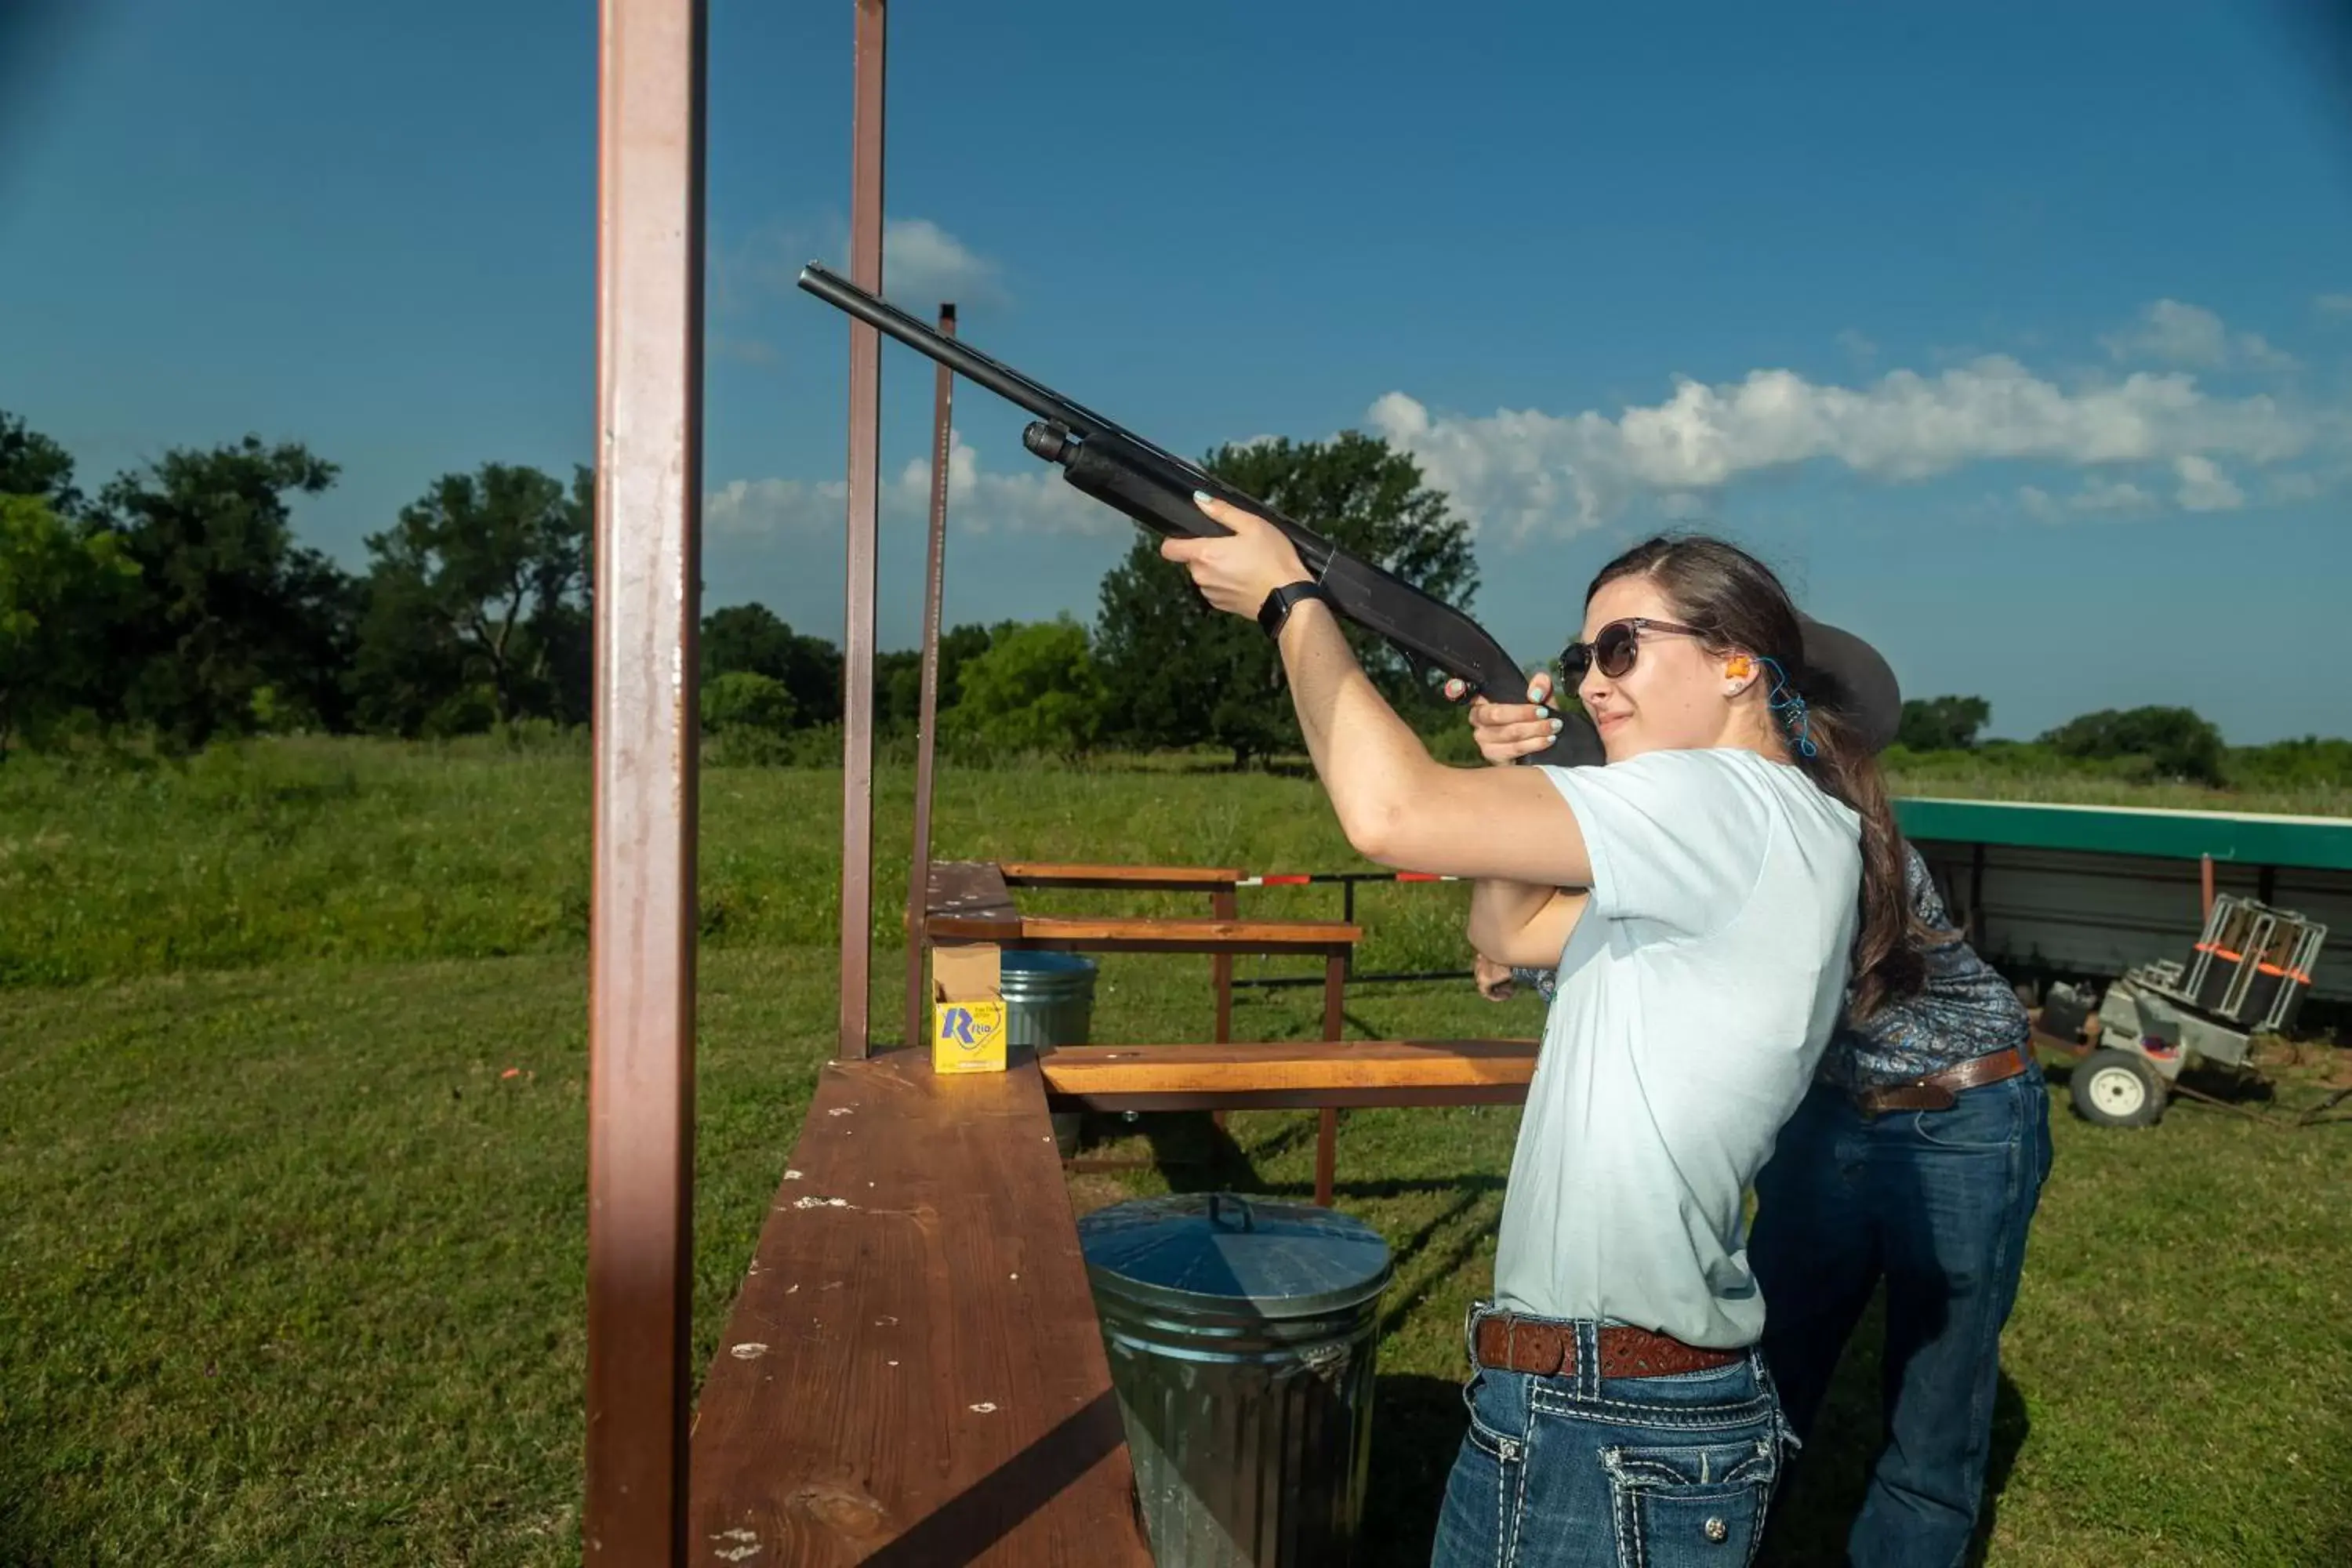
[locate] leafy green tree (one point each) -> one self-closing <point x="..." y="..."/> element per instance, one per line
<point x="1186" y="675"/>
<point x="31" y="464"/>
<point x="232" y="620"/>
<point x="745" y="700"/>
<point x="1037" y="688"/>
<point x="2301" y="763"/>
<point x="899" y="675"/>
<point x="484" y="576"/>
<point x="408" y="675"/>
<point x="2177" y="743"/>
<point x="1942" y="723"/>
<point x="60" y="591"/>
<point x="751" y="637"/>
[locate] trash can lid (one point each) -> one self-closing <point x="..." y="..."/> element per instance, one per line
<point x="1209" y="1251"/>
<point x="1044" y="960"/>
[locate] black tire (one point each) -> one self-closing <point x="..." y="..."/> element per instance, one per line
<point x="2116" y="1088"/>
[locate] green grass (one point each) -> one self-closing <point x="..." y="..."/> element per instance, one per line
<point x="353" y="850"/>
<point x="290" y="1271"/>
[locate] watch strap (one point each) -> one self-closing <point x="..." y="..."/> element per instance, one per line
<point x="1276" y="610"/>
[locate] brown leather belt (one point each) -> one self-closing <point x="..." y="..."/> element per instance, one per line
<point x="1940" y="1090"/>
<point x="1545" y="1349"/>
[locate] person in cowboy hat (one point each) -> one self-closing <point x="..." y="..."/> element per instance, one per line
<point x="1916" y="1158"/>
<point x="1711" y="895"/>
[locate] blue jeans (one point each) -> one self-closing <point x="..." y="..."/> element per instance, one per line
<point x="1936" y="1203"/>
<point x="1575" y="1470"/>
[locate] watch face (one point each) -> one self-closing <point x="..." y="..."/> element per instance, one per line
<point x="1277" y="608"/>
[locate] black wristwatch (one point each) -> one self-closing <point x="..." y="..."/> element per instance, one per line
<point x="1277" y="608"/>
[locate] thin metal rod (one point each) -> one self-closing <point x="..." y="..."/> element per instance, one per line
<point x="864" y="488"/>
<point x="926" y="733"/>
<point x="649" y="524"/>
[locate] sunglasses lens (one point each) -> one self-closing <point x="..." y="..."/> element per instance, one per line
<point x="1615" y="648"/>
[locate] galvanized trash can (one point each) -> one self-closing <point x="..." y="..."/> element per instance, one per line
<point x="1242" y="1334"/>
<point x="1049" y="999"/>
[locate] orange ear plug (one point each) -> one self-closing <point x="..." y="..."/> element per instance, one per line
<point x="1739" y="669"/>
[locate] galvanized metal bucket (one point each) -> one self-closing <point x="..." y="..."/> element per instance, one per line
<point x="1242" y="1335"/>
<point x="1049" y="999"/>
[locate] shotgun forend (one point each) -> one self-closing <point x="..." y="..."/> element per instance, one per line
<point x="1129" y="475"/>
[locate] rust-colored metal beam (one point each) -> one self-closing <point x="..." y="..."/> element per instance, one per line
<point x="649" y="256"/>
<point x="927" y="727"/>
<point x="865" y="491"/>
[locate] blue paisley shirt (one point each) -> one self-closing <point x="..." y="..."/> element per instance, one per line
<point x="1966" y="1010"/>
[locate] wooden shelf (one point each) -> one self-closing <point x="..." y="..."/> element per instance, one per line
<point x="913" y="1371"/>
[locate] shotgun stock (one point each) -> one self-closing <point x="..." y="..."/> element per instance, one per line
<point x="1129" y="474"/>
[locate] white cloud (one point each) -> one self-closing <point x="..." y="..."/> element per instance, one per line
<point x="922" y="264"/>
<point x="2333" y="304"/>
<point x="1860" y="347"/>
<point x="979" y="501"/>
<point x="2171" y="333"/>
<point x="2142" y="442"/>
<point x="2098" y="495"/>
<point x="1523" y="470"/>
<point x="750" y="351"/>
<point x="2204" y="486"/>
<point x="774" y="506"/>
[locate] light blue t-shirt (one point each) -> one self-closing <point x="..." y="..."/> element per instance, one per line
<point x="1693" y="1001"/>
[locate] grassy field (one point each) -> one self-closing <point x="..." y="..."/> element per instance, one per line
<point x="293" y="1266"/>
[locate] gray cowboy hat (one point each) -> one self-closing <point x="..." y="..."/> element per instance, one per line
<point x="1852" y="679"/>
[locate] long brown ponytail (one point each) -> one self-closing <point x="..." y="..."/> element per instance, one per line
<point x="1739" y="603"/>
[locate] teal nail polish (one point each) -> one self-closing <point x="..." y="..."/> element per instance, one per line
<point x="1542" y="711"/>
<point x="1200" y="498"/>
<point x="1555" y="726"/>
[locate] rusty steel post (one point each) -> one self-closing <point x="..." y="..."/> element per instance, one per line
<point x="925" y="735"/>
<point x="864" y="484"/>
<point x="641" y="963"/>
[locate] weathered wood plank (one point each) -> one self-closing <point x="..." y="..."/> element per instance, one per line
<point x="1291" y="1073"/>
<point x="1113" y="934"/>
<point x="912" y="1371"/>
<point x="1127" y="879"/>
<point x="972" y="888"/>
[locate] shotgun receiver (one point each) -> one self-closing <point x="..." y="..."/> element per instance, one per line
<point x="1130" y="475"/>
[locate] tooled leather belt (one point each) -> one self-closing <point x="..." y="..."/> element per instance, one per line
<point x="1940" y="1090"/>
<point x="1511" y="1343"/>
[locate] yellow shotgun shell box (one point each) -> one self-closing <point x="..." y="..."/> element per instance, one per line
<point x="968" y="1036"/>
<point x="967" y="1009"/>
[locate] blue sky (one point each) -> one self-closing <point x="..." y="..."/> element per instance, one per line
<point x="2019" y="337"/>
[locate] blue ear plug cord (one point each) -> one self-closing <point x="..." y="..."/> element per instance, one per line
<point x="1794" y="716"/>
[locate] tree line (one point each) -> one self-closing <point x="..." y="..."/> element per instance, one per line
<point x="176" y="606"/>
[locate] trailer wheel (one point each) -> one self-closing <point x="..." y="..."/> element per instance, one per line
<point x="2116" y="1088"/>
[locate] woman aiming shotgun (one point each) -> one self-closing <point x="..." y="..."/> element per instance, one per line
<point x="1707" y="898"/>
<point x="1916" y="1160"/>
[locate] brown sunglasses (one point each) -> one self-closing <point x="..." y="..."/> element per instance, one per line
<point x="1612" y="647"/>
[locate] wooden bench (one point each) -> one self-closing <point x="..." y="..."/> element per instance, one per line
<point x="973" y="902"/>
<point x="1323" y="1075"/>
<point x="913" y="1370"/>
<point x="1221" y="883"/>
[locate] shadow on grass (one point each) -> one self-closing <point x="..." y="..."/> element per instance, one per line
<point x="31" y="1536"/>
<point x="1417" y="1426"/>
